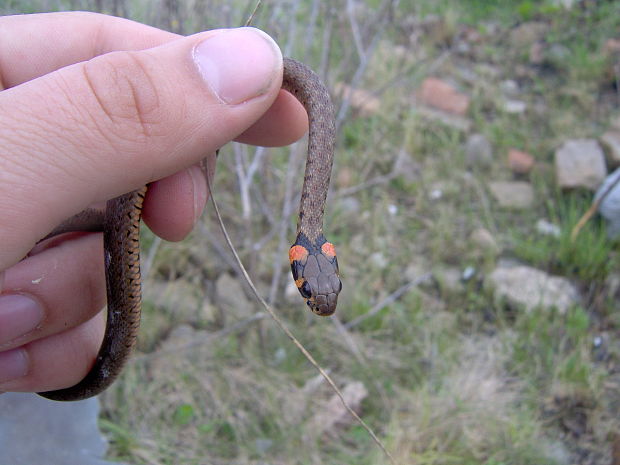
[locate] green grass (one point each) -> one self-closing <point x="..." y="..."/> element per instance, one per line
<point x="590" y="258"/>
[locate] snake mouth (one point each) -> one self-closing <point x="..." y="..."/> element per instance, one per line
<point x="323" y="305"/>
<point x="322" y="311"/>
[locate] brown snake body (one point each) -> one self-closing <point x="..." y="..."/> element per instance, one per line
<point x="313" y="259"/>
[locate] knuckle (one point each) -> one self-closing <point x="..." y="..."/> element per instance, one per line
<point x="126" y="101"/>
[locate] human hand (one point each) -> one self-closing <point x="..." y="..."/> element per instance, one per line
<point x="92" y="107"/>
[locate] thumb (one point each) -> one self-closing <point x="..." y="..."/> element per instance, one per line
<point x="100" y="128"/>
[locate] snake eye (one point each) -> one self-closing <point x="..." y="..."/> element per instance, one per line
<point x="305" y="290"/>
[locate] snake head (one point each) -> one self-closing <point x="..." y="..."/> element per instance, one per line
<point x="315" y="271"/>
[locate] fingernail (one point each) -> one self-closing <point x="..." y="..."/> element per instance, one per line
<point x="238" y="64"/>
<point x="13" y="365"/>
<point x="19" y="314"/>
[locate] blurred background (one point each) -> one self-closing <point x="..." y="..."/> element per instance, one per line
<point x="471" y="329"/>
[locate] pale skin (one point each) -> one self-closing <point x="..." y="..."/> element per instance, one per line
<point x="82" y="122"/>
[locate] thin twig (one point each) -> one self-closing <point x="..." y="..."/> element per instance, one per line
<point x="290" y="335"/>
<point x="592" y="210"/>
<point x="251" y="17"/>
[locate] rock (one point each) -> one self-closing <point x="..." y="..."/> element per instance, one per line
<point x="450" y="279"/>
<point x="531" y="288"/>
<point x="520" y="162"/>
<point x="332" y="413"/>
<point x="185" y="300"/>
<point x="611" y="141"/>
<point x="609" y="208"/>
<point x="612" y="46"/>
<point x="366" y="103"/>
<point x="514" y="107"/>
<point x="478" y="151"/>
<point x="485" y="241"/>
<point x="416" y="269"/>
<point x="468" y="274"/>
<point x="34" y="430"/>
<point x="537" y="53"/>
<point x="580" y="163"/>
<point x="512" y="194"/>
<point x="439" y="94"/>
<point x="231" y="296"/>
<point x="407" y="167"/>
<point x="349" y="205"/>
<point x="558" y="53"/>
<point x="509" y="88"/>
<point x="379" y="260"/>
<point x="453" y="121"/>
<point x="547" y="228"/>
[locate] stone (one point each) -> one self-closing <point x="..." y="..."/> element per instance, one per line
<point x="530" y="288"/>
<point x="537" y="53"/>
<point x="611" y="142"/>
<point x="34" y="430"/>
<point x="349" y="205"/>
<point x="484" y="240"/>
<point x="558" y="53"/>
<point x="379" y="260"/>
<point x="450" y="279"/>
<point x="612" y="46"/>
<point x="515" y="107"/>
<point x="231" y="297"/>
<point x="366" y="103"/>
<point x="547" y="228"/>
<point x="478" y="151"/>
<point x="520" y="162"/>
<point x="332" y="413"/>
<point x="452" y="121"/>
<point x="609" y="207"/>
<point x="407" y="167"/>
<point x="181" y="297"/>
<point x="439" y="94"/>
<point x="512" y="194"/>
<point x="580" y="163"/>
<point x="509" y="88"/>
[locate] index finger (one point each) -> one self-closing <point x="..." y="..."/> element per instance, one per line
<point x="37" y="44"/>
<point x="34" y="45"/>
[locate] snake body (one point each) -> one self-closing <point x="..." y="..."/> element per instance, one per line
<point x="313" y="259"/>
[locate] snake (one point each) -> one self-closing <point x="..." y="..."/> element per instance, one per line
<point x="313" y="260"/>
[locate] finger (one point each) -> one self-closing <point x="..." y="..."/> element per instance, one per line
<point x="173" y="205"/>
<point x="95" y="130"/>
<point x="54" y="362"/>
<point x="34" y="45"/>
<point x="285" y="122"/>
<point x="57" y="289"/>
<point x="56" y="40"/>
